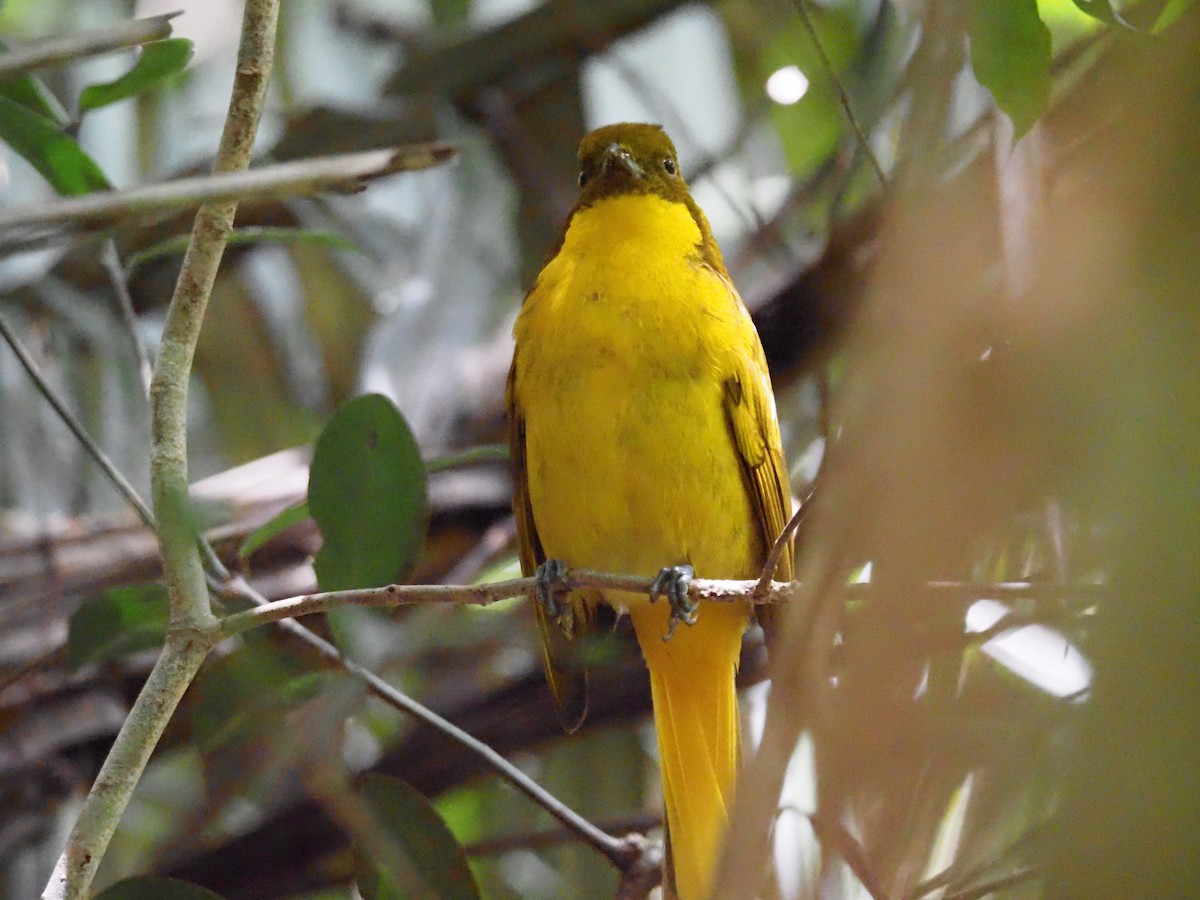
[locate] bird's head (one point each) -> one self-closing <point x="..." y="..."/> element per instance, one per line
<point x="629" y="158"/>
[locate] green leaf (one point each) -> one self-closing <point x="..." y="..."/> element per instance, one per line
<point x="119" y="622"/>
<point x="33" y="94"/>
<point x="405" y="819"/>
<point x="56" y="155"/>
<point x="158" y="61"/>
<point x="366" y="491"/>
<point x="1010" y="53"/>
<point x="156" y="887"/>
<point x="1171" y="14"/>
<point x="811" y="128"/>
<point x="276" y="525"/>
<point x="178" y="244"/>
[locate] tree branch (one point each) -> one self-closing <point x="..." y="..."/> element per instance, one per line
<point x="712" y="590"/>
<point x="176" y="666"/>
<point x="347" y="173"/>
<point x="110" y="470"/>
<point x="110" y="259"/>
<point x="843" y="97"/>
<point x="191" y="620"/>
<point x="66" y="48"/>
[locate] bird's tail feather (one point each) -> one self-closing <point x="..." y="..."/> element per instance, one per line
<point x="696" y="717"/>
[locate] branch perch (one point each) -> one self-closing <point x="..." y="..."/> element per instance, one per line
<point x="346" y="173"/>
<point x="67" y="48"/>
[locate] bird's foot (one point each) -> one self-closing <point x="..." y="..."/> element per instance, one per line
<point x="673" y="582"/>
<point x="551" y="585"/>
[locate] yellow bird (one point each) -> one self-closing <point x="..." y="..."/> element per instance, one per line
<point x="645" y="441"/>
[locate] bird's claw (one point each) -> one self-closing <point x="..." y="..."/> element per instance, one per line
<point x="551" y="585"/>
<point x="672" y="582"/>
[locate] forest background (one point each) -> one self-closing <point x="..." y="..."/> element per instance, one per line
<point x="968" y="232"/>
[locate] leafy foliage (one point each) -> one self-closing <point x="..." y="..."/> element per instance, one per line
<point x="45" y="146"/>
<point x="366" y="491"/>
<point x="406" y="819"/>
<point x="158" y="61"/>
<point x="32" y="93"/>
<point x="275" y="526"/>
<point x="1010" y="52"/>
<point x="119" y="622"/>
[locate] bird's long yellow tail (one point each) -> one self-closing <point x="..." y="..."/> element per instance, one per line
<point x="696" y="717"/>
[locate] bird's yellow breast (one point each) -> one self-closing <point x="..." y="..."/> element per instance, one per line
<point x="622" y="356"/>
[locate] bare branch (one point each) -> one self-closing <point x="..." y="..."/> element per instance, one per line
<point x="32" y="224"/>
<point x="67" y="48"/>
<point x="110" y="258"/>
<point x="833" y="834"/>
<point x="712" y="590"/>
<point x="190" y="629"/>
<point x="122" y="769"/>
<point x="783" y="544"/>
<point x="843" y="97"/>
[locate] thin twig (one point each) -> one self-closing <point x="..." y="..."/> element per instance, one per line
<point x="616" y="850"/>
<point x="470" y="457"/>
<point x="69" y="47"/>
<point x="639" y="823"/>
<point x="833" y="834"/>
<point x="111" y="260"/>
<point x="782" y="545"/>
<point x="985" y="888"/>
<point x="843" y="97"/>
<point x="959" y="875"/>
<point x="347" y="173"/>
<point x="91" y="447"/>
<point x="711" y="590"/>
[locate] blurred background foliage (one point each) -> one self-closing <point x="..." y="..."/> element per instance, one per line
<point x="991" y="363"/>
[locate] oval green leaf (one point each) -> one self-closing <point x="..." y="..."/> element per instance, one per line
<point x="159" y="60"/>
<point x="366" y="491"/>
<point x="119" y="622"/>
<point x="406" y="820"/>
<point x="1010" y="53"/>
<point x="55" y="154"/>
<point x="156" y="887"/>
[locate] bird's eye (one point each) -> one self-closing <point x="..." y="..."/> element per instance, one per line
<point x="669" y="165"/>
<point x="583" y="178"/>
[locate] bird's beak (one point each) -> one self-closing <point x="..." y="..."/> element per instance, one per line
<point x="617" y="157"/>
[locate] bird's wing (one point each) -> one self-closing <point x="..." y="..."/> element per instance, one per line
<point x="750" y="410"/>
<point x="560" y="654"/>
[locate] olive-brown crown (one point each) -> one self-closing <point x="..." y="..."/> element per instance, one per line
<point x="629" y="158"/>
<point x="637" y="158"/>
